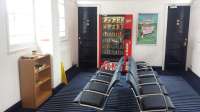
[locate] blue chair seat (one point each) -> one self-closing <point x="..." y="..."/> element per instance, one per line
<point x="97" y="86"/>
<point x="93" y="99"/>
<point x="153" y="89"/>
<point x="147" y="80"/>
<point x="147" y="73"/>
<point x="102" y="78"/>
<point x="156" y="102"/>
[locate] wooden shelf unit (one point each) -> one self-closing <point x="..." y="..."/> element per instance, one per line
<point x="35" y="80"/>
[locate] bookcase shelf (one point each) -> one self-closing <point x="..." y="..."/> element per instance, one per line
<point x="42" y="69"/>
<point x="39" y="83"/>
<point x="35" y="80"/>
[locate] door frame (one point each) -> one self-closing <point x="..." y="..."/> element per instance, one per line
<point x="165" y="35"/>
<point x="98" y="14"/>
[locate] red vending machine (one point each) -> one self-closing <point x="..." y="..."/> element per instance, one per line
<point x="115" y="38"/>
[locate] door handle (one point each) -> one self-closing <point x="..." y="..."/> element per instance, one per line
<point x="185" y="42"/>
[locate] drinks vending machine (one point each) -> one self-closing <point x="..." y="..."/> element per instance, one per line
<point x="115" y="38"/>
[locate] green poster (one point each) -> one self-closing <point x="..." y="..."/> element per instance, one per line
<point x="147" y="28"/>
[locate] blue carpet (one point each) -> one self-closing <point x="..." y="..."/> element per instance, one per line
<point x="184" y="97"/>
<point x="122" y="100"/>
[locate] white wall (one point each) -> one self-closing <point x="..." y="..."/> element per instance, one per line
<point x="72" y="29"/>
<point x="60" y="50"/>
<point x="193" y="61"/>
<point x="9" y="77"/>
<point x="65" y="50"/>
<point x="154" y="54"/>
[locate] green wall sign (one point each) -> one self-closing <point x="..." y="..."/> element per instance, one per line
<point x="147" y="28"/>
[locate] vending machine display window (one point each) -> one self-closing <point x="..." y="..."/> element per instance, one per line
<point x="114" y="30"/>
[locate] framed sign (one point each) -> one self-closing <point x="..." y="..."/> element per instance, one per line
<point x="147" y="28"/>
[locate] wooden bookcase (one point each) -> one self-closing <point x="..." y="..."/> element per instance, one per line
<point x="35" y="80"/>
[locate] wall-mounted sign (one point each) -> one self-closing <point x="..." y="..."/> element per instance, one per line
<point x="147" y="28"/>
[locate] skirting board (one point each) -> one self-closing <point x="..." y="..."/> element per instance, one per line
<point x="157" y="68"/>
<point x="72" y="72"/>
<point x="18" y="106"/>
<point x="69" y="73"/>
<point x="193" y="80"/>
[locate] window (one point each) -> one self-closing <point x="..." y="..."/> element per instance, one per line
<point x="43" y="20"/>
<point x="20" y="22"/>
<point x="61" y="12"/>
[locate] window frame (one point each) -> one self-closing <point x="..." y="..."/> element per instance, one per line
<point x="64" y="37"/>
<point x="19" y="46"/>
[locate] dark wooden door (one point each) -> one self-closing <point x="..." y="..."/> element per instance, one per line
<point x="87" y="29"/>
<point x="177" y="37"/>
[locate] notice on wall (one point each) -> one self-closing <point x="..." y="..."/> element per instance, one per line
<point x="147" y="28"/>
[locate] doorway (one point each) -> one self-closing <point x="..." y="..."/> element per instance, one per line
<point x="177" y="37"/>
<point x="87" y="37"/>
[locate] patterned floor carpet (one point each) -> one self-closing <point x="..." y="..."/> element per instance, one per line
<point x="122" y="100"/>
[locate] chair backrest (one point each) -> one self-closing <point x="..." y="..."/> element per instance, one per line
<point x="133" y="83"/>
<point x="132" y="68"/>
<point x="116" y="73"/>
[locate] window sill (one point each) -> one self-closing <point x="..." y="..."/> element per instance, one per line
<point x="63" y="39"/>
<point x="21" y="47"/>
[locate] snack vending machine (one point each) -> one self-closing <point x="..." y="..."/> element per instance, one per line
<point x="115" y="38"/>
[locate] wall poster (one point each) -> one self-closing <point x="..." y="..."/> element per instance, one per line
<point x="147" y="28"/>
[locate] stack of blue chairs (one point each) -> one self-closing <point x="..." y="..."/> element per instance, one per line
<point x="147" y="87"/>
<point x="98" y="89"/>
<point x="145" y="83"/>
